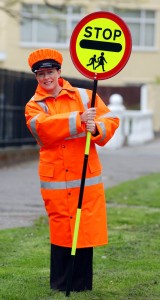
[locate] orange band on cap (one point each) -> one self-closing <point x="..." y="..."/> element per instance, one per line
<point x="42" y="54"/>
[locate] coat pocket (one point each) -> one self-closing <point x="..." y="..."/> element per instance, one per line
<point x="46" y="170"/>
<point x="94" y="166"/>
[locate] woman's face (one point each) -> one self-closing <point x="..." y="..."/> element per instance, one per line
<point x="48" y="79"/>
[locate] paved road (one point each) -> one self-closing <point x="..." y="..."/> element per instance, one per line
<point x="20" y="199"/>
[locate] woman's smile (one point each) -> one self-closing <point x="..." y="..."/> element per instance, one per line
<point x="48" y="79"/>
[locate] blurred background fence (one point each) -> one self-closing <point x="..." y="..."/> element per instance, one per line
<point x="15" y="91"/>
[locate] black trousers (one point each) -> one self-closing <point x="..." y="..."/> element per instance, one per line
<point x="59" y="266"/>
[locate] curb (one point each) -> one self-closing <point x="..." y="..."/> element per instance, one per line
<point x="13" y="155"/>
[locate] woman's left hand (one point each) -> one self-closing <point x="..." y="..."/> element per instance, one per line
<point x="91" y="126"/>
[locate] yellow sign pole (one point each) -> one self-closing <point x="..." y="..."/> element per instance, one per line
<point x="78" y="214"/>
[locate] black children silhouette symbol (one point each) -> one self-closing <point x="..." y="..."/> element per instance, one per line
<point x="101" y="61"/>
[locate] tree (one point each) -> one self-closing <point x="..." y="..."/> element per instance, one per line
<point x="56" y="7"/>
<point x="8" y="6"/>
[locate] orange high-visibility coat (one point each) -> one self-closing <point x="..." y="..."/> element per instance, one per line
<point x="57" y="127"/>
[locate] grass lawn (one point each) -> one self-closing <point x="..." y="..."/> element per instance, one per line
<point x="127" y="268"/>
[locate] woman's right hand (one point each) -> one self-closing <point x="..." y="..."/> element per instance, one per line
<point x="89" y="114"/>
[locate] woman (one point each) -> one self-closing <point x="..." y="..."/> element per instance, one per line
<point x="59" y="115"/>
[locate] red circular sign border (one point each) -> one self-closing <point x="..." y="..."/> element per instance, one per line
<point x="127" y="52"/>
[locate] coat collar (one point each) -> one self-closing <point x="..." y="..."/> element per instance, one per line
<point x="41" y="94"/>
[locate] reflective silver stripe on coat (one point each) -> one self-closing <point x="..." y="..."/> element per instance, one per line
<point x="108" y="115"/>
<point x="61" y="185"/>
<point x="103" y="128"/>
<point x="72" y="123"/>
<point x="44" y="106"/>
<point x="33" y="129"/>
<point x="76" y="136"/>
<point x="84" y="97"/>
